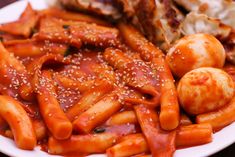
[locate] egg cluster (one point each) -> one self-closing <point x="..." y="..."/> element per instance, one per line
<point x="197" y="60"/>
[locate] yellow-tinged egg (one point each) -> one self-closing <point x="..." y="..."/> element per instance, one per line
<point x="195" y="51"/>
<point x="205" y="89"/>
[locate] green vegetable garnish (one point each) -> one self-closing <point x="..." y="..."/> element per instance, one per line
<point x="99" y="130"/>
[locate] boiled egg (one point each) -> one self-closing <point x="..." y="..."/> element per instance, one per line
<point x="195" y="51"/>
<point x="205" y="89"/>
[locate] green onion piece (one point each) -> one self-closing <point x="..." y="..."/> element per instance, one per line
<point x="99" y="130"/>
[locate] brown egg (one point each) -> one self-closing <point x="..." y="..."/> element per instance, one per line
<point x="195" y="51"/>
<point x="204" y="90"/>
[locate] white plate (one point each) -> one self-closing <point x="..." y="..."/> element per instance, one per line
<point x="221" y="139"/>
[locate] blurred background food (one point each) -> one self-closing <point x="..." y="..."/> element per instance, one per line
<point x="165" y="21"/>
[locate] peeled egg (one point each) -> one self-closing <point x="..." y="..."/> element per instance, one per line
<point x="205" y="89"/>
<point x="195" y="51"/>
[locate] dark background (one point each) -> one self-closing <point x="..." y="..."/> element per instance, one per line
<point x="228" y="152"/>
